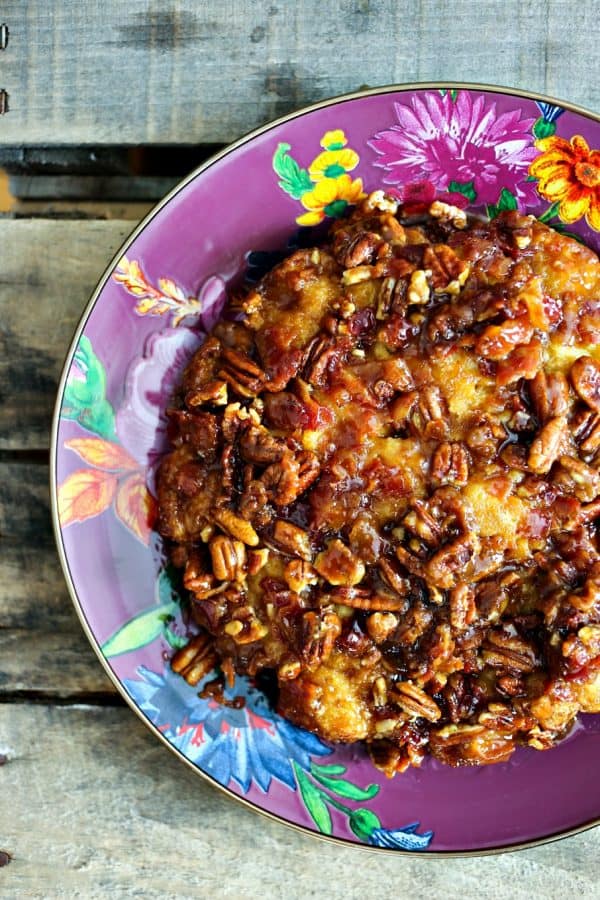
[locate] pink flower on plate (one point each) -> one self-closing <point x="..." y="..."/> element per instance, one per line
<point x="459" y="145"/>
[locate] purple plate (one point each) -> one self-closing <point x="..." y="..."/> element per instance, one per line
<point x="482" y="147"/>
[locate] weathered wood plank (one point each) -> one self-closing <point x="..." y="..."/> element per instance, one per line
<point x="43" y="650"/>
<point x="182" y="71"/>
<point x="52" y="665"/>
<point x="48" y="272"/>
<point x="139" y="823"/>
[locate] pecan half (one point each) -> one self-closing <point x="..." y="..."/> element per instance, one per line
<point x="363" y="598"/>
<point x="505" y="651"/>
<point x="196" y="659"/>
<point x="299" y="575"/>
<point x="257" y="445"/>
<point x="549" y="395"/>
<point x="228" y="558"/>
<point x="586" y="431"/>
<point x="241" y="373"/>
<point x="448" y="272"/>
<point x="578" y="478"/>
<point x="319" y="634"/>
<point x="414" y="701"/>
<point x="463" y="610"/>
<point x="430" y="417"/>
<point x="450" y="464"/>
<point x="546" y="447"/>
<point x="236" y="526"/>
<point x="585" y="377"/>
<point x="381" y="625"/>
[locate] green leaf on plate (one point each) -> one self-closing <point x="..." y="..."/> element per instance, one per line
<point x="294" y="180"/>
<point x="332" y="769"/>
<point x="467" y="189"/>
<point x="342" y="788"/>
<point x="313" y="801"/>
<point x="543" y="129"/>
<point x="507" y="200"/>
<point x="363" y="823"/>
<point x="139" y="631"/>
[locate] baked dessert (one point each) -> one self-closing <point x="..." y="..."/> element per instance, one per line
<point x="384" y="486"/>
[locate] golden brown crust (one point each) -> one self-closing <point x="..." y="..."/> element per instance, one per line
<point x="385" y="485"/>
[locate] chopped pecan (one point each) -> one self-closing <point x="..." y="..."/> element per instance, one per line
<point x="299" y="575"/>
<point x="450" y="464"/>
<point x="546" y="447"/>
<point x="381" y="201"/>
<point x="445" y="212"/>
<point x="448" y="272"/>
<point x="578" y="478"/>
<point x="381" y="625"/>
<point x="257" y="560"/>
<point x="236" y="526"/>
<point x="196" y="659"/>
<point x="245" y="628"/>
<point x="292" y="539"/>
<point x="422" y="523"/>
<point x="497" y="341"/>
<point x="418" y="288"/>
<point x="379" y="691"/>
<point x="339" y="566"/>
<point x="228" y="558"/>
<point x="585" y="377"/>
<point x="414" y="701"/>
<point x="214" y="392"/>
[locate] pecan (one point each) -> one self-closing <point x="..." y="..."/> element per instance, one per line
<point x="430" y="418"/>
<point x="360" y="250"/>
<point x="447" y="565"/>
<point x="497" y="341"/>
<point x="358" y="274"/>
<point x="578" y="478"/>
<point x="363" y="598"/>
<point x="507" y="651"/>
<point x="450" y="464"/>
<point x="381" y="625"/>
<point x="393" y="578"/>
<point x="445" y="212"/>
<point x="381" y="201"/>
<point x="214" y="392"/>
<point x="585" y="377"/>
<point x="201" y="369"/>
<point x="463" y="611"/>
<point x="546" y="447"/>
<point x="549" y="395"/>
<point x="257" y="560"/>
<point x="198" y="580"/>
<point x="257" y="445"/>
<point x="339" y="566"/>
<point x="415" y="702"/>
<point x="228" y="558"/>
<point x="586" y="431"/>
<point x="379" y="691"/>
<point x="448" y="272"/>
<point x="292" y="539"/>
<point x="196" y="659"/>
<point x="254" y="504"/>
<point x="418" y="288"/>
<point x="421" y="523"/>
<point x="392" y="294"/>
<point x="299" y="575"/>
<point x="241" y="373"/>
<point x="485" y="438"/>
<point x="246" y="628"/>
<point x="236" y="526"/>
<point x="319" y="635"/>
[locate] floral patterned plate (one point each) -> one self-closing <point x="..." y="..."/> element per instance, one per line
<point x="479" y="147"/>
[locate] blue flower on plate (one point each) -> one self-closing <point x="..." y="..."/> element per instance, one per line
<point x="550" y="112"/>
<point x="244" y="745"/>
<point x="401" y="838"/>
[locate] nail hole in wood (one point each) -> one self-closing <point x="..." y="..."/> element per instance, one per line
<point x="4" y="33"/>
<point x="3" y="102"/>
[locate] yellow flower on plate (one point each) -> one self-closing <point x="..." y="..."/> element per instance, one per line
<point x="568" y="173"/>
<point x="336" y="159"/>
<point x="329" y="197"/>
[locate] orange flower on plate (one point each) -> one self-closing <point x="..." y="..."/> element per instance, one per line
<point x="568" y="173"/>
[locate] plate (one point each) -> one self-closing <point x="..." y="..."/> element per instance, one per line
<point x="479" y="147"/>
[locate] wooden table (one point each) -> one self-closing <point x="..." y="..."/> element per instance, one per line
<point x="103" y="105"/>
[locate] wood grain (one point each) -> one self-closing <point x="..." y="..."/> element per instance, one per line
<point x="48" y="271"/>
<point x="104" y="810"/>
<point x="155" y="71"/>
